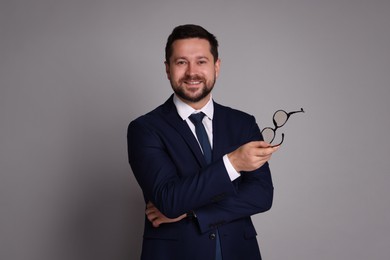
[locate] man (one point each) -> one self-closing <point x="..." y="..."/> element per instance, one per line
<point x="198" y="202"/>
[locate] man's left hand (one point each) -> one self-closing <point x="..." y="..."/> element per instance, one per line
<point x="157" y="218"/>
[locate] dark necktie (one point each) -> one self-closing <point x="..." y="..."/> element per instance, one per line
<point x="203" y="139"/>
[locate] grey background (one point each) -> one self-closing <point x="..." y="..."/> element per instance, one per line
<point x="73" y="74"/>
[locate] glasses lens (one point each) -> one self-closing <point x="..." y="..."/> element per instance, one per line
<point x="268" y="134"/>
<point x="280" y="118"/>
<point x="281" y="141"/>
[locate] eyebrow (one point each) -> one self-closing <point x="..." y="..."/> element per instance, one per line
<point x="198" y="58"/>
<point x="202" y="57"/>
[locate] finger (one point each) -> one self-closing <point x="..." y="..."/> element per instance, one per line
<point x="149" y="205"/>
<point x="149" y="211"/>
<point x="271" y="149"/>
<point x="156" y="223"/>
<point x="263" y="152"/>
<point x="260" y="144"/>
<point x="263" y="144"/>
<point x="152" y="217"/>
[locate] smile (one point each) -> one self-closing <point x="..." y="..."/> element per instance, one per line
<point x="192" y="82"/>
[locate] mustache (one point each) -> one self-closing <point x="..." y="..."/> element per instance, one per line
<point x="194" y="78"/>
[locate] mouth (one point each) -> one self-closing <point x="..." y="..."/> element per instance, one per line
<point x="192" y="82"/>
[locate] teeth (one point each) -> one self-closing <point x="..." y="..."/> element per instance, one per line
<point x="193" y="82"/>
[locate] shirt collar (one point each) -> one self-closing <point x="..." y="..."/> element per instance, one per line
<point x="184" y="110"/>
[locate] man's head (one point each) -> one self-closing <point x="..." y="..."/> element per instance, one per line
<point x="189" y="31"/>
<point x="192" y="64"/>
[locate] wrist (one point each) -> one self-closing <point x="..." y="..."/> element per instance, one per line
<point x="233" y="161"/>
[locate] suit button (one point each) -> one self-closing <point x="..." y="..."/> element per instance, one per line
<point x="212" y="236"/>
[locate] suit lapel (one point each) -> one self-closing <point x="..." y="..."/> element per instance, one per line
<point x="171" y="116"/>
<point x="218" y="132"/>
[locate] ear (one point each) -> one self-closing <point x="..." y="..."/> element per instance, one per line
<point x="167" y="70"/>
<point x="217" y="67"/>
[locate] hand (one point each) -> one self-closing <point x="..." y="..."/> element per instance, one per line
<point x="157" y="218"/>
<point x="251" y="156"/>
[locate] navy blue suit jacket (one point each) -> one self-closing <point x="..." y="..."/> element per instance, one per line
<point x="169" y="166"/>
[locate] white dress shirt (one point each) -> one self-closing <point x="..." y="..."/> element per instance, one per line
<point x="185" y="111"/>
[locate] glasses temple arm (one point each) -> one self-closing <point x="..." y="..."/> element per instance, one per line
<point x="293" y="112"/>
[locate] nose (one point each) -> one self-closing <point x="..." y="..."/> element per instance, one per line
<point x="191" y="69"/>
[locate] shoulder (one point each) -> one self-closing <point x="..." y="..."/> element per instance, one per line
<point x="225" y="112"/>
<point x="240" y="126"/>
<point x="157" y="115"/>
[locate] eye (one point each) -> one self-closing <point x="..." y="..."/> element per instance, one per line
<point x="181" y="62"/>
<point x="202" y="62"/>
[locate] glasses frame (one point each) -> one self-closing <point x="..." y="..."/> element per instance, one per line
<point x="276" y="125"/>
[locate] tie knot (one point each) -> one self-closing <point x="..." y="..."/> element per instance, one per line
<point x="197" y="118"/>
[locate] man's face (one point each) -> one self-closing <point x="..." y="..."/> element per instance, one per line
<point x="192" y="71"/>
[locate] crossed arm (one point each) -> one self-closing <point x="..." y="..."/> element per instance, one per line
<point x="247" y="158"/>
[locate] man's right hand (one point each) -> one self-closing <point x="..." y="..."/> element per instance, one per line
<point x="251" y="156"/>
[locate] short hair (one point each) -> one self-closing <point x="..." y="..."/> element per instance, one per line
<point x="189" y="31"/>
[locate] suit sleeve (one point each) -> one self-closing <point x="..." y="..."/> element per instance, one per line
<point x="254" y="194"/>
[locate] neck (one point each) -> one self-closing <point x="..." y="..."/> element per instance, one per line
<point x="199" y="104"/>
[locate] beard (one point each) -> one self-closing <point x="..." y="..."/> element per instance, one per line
<point x="205" y="91"/>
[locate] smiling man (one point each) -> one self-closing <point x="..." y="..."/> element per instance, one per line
<point x="192" y="70"/>
<point x="202" y="166"/>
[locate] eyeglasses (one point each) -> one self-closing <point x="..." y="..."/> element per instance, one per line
<point x="280" y="118"/>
